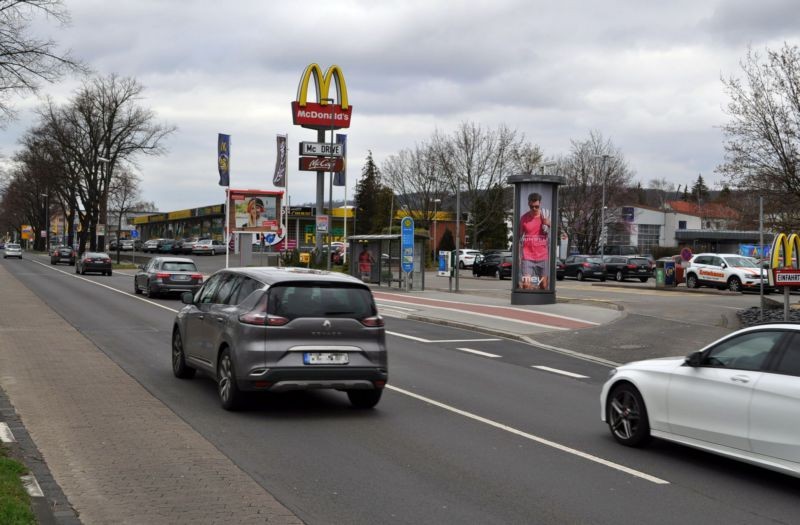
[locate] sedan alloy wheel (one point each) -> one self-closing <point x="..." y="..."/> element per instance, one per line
<point x="627" y="416"/>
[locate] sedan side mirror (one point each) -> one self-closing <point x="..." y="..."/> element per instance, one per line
<point x="187" y="298"/>
<point x="694" y="359"/>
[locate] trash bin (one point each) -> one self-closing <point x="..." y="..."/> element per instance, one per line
<point x="659" y="275"/>
<point x="669" y="274"/>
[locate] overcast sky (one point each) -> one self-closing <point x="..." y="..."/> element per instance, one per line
<point x="645" y="76"/>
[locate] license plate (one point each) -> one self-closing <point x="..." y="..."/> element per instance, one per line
<point x="180" y="277"/>
<point x="325" y="358"/>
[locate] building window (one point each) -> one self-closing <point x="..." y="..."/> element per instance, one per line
<point x="649" y="234"/>
<point x="681" y="225"/>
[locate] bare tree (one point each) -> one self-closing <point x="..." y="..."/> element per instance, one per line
<point x="762" y="148"/>
<point x="664" y="190"/>
<point x="588" y="176"/>
<point x="473" y="160"/>
<point x="102" y="130"/>
<point x="25" y="61"/>
<point x="123" y="196"/>
<point x="417" y="180"/>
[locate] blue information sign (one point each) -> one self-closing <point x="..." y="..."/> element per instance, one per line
<point x="134" y="234"/>
<point x="407" y="244"/>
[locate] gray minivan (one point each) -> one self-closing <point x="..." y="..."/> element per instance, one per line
<point x="280" y="329"/>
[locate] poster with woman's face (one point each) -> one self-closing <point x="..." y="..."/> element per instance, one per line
<point x="534" y="234"/>
<point x="258" y="213"/>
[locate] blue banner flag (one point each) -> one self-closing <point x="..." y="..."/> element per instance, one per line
<point x="340" y="177"/>
<point x="224" y="159"/>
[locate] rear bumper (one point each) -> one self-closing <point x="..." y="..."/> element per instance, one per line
<point x="316" y="377"/>
<point x="164" y="288"/>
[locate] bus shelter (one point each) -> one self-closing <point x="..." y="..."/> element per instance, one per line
<point x="376" y="259"/>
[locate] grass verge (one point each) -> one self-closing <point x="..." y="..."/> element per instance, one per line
<point x="15" y="504"/>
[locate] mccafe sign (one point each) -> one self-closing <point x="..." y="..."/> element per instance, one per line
<point x="322" y="114"/>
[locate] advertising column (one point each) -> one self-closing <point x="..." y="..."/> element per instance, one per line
<point x="535" y="238"/>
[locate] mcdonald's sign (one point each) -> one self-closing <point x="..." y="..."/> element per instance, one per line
<point x="322" y="114"/>
<point x="785" y="270"/>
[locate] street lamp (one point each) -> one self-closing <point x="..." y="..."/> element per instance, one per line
<point x="435" y="237"/>
<point x="101" y="239"/>
<point x="46" y="220"/>
<point x="605" y="158"/>
<point x="330" y="101"/>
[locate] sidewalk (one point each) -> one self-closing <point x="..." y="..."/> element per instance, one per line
<point x="121" y="456"/>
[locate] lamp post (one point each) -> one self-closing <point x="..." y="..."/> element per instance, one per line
<point x="330" y="101"/>
<point x="46" y="220"/>
<point x="605" y="158"/>
<point x="101" y="239"/>
<point x="435" y="237"/>
<point x="458" y="224"/>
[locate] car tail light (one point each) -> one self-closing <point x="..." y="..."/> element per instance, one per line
<point x="506" y="265"/>
<point x="161" y="275"/>
<point x="276" y="320"/>
<point x="630" y="266"/>
<point x="372" y="322"/>
<point x="198" y="276"/>
<point x="106" y="260"/>
<point x="586" y="265"/>
<point x="258" y="315"/>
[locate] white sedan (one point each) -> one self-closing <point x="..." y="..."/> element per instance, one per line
<point x="738" y="397"/>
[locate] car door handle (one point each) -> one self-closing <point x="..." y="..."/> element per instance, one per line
<point x="740" y="379"/>
<point x="201" y="317"/>
<point x="220" y="319"/>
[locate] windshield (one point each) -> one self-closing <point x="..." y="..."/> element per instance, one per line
<point x="741" y="262"/>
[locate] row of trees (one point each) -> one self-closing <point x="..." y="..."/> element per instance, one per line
<point x="762" y="160"/>
<point x="80" y="158"/>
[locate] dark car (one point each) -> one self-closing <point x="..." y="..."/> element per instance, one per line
<point x="163" y="275"/>
<point x="62" y="254"/>
<point x="560" y="269"/>
<point x="497" y="264"/>
<point x="585" y="267"/>
<point x="280" y="329"/>
<point x="621" y="268"/>
<point x="96" y="262"/>
<point x="166" y="246"/>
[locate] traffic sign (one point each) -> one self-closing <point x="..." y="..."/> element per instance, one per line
<point x="322" y="224"/>
<point x="134" y="234"/>
<point x="686" y="254"/>
<point x="323" y="149"/>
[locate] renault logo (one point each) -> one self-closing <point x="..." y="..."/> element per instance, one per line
<point x="326" y="324"/>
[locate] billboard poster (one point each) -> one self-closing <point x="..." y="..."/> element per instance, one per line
<point x="534" y="231"/>
<point x="255" y="212"/>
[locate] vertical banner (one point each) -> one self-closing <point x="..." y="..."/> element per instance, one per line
<point x="279" y="179"/>
<point x="223" y="159"/>
<point x="340" y="177"/>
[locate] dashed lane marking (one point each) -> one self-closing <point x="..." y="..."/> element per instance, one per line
<point x="478" y="352"/>
<point x="32" y="486"/>
<point x="561" y="372"/>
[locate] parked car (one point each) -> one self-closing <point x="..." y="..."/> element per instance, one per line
<point x="621" y="268"/>
<point x="496" y="265"/>
<point x="208" y="247"/>
<point x="279" y="329"/>
<point x="152" y="245"/>
<point x="725" y="270"/>
<point x="127" y="245"/>
<point x="166" y="246"/>
<point x="62" y="254"/>
<point x="96" y="262"/>
<point x="560" y="269"/>
<point x="162" y="275"/>
<point x="12" y="250"/>
<point x="737" y="397"/>
<point x="585" y="267"/>
<point x="466" y="257"/>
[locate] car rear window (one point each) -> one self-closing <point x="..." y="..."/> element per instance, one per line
<point x="12" y="245"/>
<point x="594" y="260"/>
<point x="638" y="260"/>
<point x="172" y="266"/>
<point x="293" y="300"/>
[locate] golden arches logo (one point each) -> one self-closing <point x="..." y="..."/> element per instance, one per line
<point x="785" y="249"/>
<point x="322" y="82"/>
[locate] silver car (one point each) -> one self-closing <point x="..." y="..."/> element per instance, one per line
<point x="12" y="250"/>
<point x="281" y="329"/>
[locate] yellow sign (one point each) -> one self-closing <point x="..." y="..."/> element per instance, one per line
<point x="305" y="257"/>
<point x="323" y="84"/>
<point x="27" y="231"/>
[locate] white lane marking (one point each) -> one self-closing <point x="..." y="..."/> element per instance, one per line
<point x="537" y="439"/>
<point x="32" y="486"/>
<point x="494" y="307"/>
<point x="6" y="436"/>
<point x="108" y="287"/>
<point x="404" y="336"/>
<point x="464" y="340"/>
<point x="395" y="307"/>
<point x="562" y="372"/>
<point x="501" y="318"/>
<point x="478" y="352"/>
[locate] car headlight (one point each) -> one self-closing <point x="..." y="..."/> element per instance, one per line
<point x="612" y="373"/>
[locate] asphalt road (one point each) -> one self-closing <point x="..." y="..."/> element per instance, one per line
<point x="458" y="437"/>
